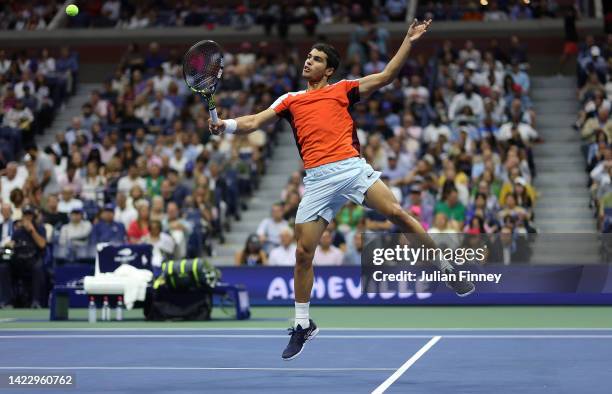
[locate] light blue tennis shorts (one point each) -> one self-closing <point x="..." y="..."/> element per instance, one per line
<point x="329" y="186"/>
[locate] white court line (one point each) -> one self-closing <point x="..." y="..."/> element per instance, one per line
<point x="323" y="336"/>
<point x="391" y="379"/>
<point x="8" y="320"/>
<point x="143" y="368"/>
<point x="85" y="329"/>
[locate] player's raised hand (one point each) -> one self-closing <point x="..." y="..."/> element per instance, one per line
<point x="216" y="128"/>
<point x="417" y="29"/>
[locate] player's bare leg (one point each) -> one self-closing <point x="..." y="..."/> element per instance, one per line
<point x="380" y="198"/>
<point x="307" y="236"/>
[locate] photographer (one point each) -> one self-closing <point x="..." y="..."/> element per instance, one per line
<point x="28" y="244"/>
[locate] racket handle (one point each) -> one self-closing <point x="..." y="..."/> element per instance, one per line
<point x="213" y="115"/>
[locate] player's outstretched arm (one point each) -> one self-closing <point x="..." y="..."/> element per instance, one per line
<point x="371" y="83"/>
<point x="243" y="124"/>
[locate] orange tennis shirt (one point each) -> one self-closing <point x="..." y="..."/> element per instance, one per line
<point x="322" y="125"/>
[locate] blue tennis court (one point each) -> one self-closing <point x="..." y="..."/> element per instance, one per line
<point x="354" y="360"/>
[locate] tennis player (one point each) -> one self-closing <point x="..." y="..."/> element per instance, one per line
<point x="327" y="142"/>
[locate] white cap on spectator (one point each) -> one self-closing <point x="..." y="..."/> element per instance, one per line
<point x="429" y="159"/>
<point x="520" y="180"/>
<point x="471" y="65"/>
<point x="595" y="51"/>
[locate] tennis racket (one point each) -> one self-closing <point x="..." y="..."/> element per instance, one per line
<point x="202" y="70"/>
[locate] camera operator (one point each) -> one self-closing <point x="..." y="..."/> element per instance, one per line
<point x="28" y="243"/>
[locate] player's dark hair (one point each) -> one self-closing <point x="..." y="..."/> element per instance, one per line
<point x="333" y="57"/>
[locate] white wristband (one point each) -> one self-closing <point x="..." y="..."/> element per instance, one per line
<point x="230" y="126"/>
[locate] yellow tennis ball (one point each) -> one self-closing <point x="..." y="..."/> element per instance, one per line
<point x="72" y="10"/>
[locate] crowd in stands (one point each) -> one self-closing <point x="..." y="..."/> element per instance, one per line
<point x="272" y="15"/>
<point x="278" y="16"/>
<point x="494" y="10"/>
<point x="594" y="75"/>
<point x="138" y="164"/>
<point x="33" y="87"/>
<point x="453" y="137"/>
<point x="27" y="14"/>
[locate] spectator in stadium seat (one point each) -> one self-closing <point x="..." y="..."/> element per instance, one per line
<point x="75" y="234"/>
<point x="93" y="183"/>
<point x="139" y="228"/>
<point x="440" y="224"/>
<point x="375" y="64"/>
<point x="52" y="215"/>
<point x="391" y="170"/>
<point x="178" y="161"/>
<point x="45" y="174"/>
<point x="164" y="247"/>
<point x="434" y="130"/>
<point x="17" y="199"/>
<point x="166" y="108"/>
<point x="326" y="253"/>
<point x="157" y="209"/>
<point x="510" y="208"/>
<point x="252" y="255"/>
<point x="353" y="253"/>
<point x="107" y="149"/>
<point x="592" y="85"/>
<point x="269" y="228"/>
<point x="88" y="117"/>
<point x="12" y="178"/>
<point x="71" y="179"/>
<point x="75" y="129"/>
<point x="26" y="80"/>
<point x="5" y="63"/>
<point x="29" y="100"/>
<point x="451" y="206"/>
<point x="425" y="205"/>
<point x="131" y="179"/>
<point x="179" y="228"/>
<point x="284" y="254"/>
<point x="349" y="216"/>
<point x="596" y="150"/>
<point x="469" y="52"/>
<point x="290" y="206"/>
<point x="107" y="229"/>
<point x="124" y="213"/>
<point x="416" y="92"/>
<point x="154" y="179"/>
<point x="520" y="77"/>
<point x="20" y="117"/>
<point x="466" y="98"/>
<point x="522" y="132"/>
<point x="457" y="178"/>
<point x="600" y="122"/>
<point x="179" y="189"/>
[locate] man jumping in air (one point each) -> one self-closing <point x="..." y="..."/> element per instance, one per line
<point x="335" y="173"/>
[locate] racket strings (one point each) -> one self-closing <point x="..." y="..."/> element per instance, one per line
<point x="202" y="67"/>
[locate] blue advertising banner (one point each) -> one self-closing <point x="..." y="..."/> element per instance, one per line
<point x="521" y="284"/>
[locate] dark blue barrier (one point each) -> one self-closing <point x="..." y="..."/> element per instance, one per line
<point x="522" y="284"/>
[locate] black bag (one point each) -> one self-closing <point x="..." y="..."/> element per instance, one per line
<point x="183" y="291"/>
<point x="168" y="304"/>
